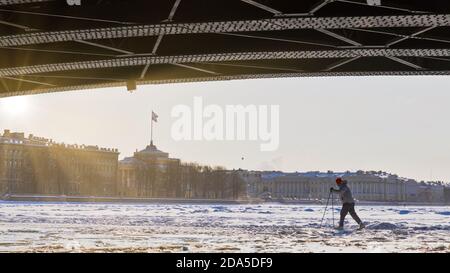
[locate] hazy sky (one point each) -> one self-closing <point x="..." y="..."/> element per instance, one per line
<point x="396" y="124"/>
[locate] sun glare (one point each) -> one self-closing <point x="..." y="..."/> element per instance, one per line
<point x="14" y="106"/>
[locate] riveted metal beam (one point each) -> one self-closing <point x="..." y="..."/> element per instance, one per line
<point x="232" y="77"/>
<point x="241" y="56"/>
<point x="18" y="2"/>
<point x="275" y="24"/>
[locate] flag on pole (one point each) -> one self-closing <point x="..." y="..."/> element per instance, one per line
<point x="154" y="117"/>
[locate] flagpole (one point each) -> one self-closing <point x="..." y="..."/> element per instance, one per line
<point x="151" y="131"/>
<point x="154" y="119"/>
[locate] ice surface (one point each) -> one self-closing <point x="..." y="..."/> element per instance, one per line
<point x="404" y="212"/>
<point x="447" y="213"/>
<point x="385" y="226"/>
<point x="102" y="227"/>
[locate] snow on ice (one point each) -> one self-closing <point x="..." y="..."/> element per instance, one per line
<point x="100" y="227"/>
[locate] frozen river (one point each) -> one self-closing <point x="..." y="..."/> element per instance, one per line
<point x="86" y="227"/>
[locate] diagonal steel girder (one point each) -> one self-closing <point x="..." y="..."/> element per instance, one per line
<point x="227" y="78"/>
<point x="18" y="2"/>
<point x="222" y="57"/>
<point x="273" y="24"/>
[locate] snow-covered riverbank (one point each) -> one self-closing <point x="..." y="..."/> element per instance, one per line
<point x="87" y="227"/>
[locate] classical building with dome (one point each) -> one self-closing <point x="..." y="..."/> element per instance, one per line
<point x="147" y="173"/>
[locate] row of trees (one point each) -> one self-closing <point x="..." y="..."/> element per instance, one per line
<point x="211" y="183"/>
<point x="187" y="180"/>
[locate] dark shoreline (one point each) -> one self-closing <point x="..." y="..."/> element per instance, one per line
<point x="129" y="200"/>
<point x="97" y="199"/>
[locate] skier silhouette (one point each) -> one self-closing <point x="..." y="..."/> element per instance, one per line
<point x="348" y="203"/>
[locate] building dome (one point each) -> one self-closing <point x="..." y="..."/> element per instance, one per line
<point x="151" y="152"/>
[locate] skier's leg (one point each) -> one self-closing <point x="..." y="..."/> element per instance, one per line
<point x="353" y="214"/>
<point x="344" y="212"/>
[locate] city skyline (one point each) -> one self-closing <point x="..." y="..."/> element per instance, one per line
<point x="380" y="123"/>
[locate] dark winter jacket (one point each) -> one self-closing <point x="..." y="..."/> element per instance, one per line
<point x="345" y="193"/>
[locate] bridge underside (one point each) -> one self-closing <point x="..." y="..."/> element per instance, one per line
<point x="49" y="46"/>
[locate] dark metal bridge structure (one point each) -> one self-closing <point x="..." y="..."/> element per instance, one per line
<point x="59" y="45"/>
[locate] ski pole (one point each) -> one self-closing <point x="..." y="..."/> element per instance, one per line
<point x="332" y="206"/>
<point x="325" y="210"/>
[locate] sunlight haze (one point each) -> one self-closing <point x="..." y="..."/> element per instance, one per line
<point x="395" y="124"/>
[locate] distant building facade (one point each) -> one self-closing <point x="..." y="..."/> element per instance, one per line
<point x="147" y="173"/>
<point x="447" y="195"/>
<point x="152" y="173"/>
<point x="425" y="192"/>
<point x="39" y="166"/>
<point x="367" y="186"/>
<point x="252" y="181"/>
<point x="33" y="165"/>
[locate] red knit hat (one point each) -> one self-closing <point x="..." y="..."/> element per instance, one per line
<point x="338" y="180"/>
